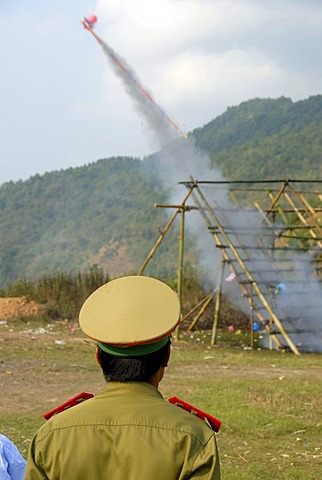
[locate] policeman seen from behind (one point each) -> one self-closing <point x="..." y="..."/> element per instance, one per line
<point x="128" y="431"/>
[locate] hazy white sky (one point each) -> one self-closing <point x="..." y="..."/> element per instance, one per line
<point x="61" y="105"/>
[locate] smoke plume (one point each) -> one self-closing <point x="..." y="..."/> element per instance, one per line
<point x="288" y="283"/>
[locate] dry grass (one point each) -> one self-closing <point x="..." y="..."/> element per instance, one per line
<point x="269" y="402"/>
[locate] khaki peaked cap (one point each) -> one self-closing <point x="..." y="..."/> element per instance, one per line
<point x="131" y="310"/>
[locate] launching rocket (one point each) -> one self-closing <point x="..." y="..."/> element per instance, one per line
<point x="89" y="24"/>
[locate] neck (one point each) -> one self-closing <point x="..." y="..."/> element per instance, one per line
<point x="156" y="378"/>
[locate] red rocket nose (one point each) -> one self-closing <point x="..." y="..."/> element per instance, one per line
<point x="91" y="19"/>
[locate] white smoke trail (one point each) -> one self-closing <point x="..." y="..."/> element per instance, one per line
<point x="178" y="160"/>
<point x="160" y="128"/>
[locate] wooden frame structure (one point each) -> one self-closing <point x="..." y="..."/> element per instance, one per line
<point x="274" y="253"/>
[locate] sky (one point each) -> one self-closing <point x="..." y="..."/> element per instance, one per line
<point x="62" y="106"/>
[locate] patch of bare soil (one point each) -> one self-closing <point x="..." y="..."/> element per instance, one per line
<point x="17" y="307"/>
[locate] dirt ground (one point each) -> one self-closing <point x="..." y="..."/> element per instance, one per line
<point x="12" y="307"/>
<point x="45" y="366"/>
<point x="33" y="373"/>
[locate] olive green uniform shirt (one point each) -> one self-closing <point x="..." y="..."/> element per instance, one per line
<point x="128" y="432"/>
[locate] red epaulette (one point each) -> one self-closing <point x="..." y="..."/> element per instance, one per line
<point x="70" y="403"/>
<point x="212" y="422"/>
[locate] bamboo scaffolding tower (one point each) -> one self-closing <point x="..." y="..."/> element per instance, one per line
<point x="291" y="233"/>
<point x="230" y="247"/>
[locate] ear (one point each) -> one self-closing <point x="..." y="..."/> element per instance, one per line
<point x="98" y="357"/>
<point x="166" y="358"/>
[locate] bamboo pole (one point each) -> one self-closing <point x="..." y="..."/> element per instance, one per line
<point x="268" y="222"/>
<point x="218" y="303"/>
<point x="251" y="316"/>
<point x="180" y="266"/>
<point x="187" y="315"/>
<point x="310" y="210"/>
<point x="279" y="194"/>
<point x="201" y="311"/>
<point x="270" y="343"/>
<point x="302" y="218"/>
<point x="163" y="233"/>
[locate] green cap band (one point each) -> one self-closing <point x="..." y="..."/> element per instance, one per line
<point x="133" y="351"/>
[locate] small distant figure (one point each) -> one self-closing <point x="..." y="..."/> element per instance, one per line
<point x="12" y="463"/>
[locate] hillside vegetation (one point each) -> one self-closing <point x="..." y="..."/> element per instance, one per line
<point x="264" y="138"/>
<point x="97" y="214"/>
<point x="102" y="213"/>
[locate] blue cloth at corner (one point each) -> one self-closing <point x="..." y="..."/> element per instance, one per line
<point x="12" y="463"/>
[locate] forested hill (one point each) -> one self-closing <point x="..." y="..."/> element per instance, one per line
<point x="100" y="214"/>
<point x="103" y="213"/>
<point x="257" y="119"/>
<point x="265" y="138"/>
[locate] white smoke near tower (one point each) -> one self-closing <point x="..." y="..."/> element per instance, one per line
<point x="179" y="159"/>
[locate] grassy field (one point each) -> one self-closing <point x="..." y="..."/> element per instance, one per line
<point x="269" y="402"/>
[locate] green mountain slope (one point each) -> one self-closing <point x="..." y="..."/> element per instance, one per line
<point x="257" y="119"/>
<point x="98" y="214"/>
<point x="295" y="154"/>
<point x="103" y="213"/>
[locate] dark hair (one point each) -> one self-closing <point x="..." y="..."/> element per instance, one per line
<point x="131" y="369"/>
